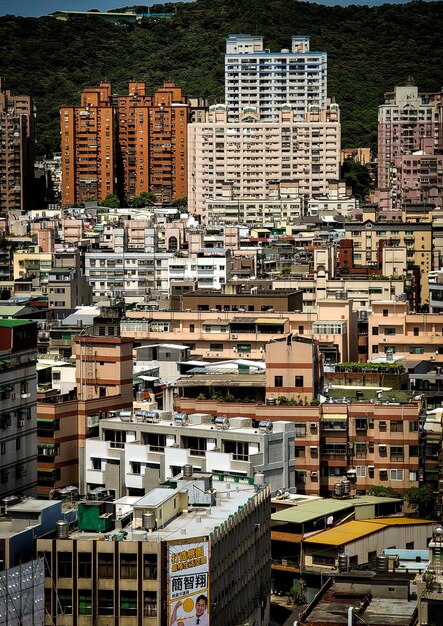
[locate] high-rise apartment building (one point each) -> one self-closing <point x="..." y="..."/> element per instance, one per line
<point x="405" y="120"/>
<point x="245" y="159"/>
<point x="257" y="77"/>
<point x="88" y="138"/>
<point x="125" y="145"/>
<point x="16" y="150"/>
<point x="18" y="426"/>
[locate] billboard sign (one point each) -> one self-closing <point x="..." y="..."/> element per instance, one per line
<point x="188" y="583"/>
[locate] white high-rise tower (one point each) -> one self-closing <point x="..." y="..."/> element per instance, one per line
<point x="256" y="77"/>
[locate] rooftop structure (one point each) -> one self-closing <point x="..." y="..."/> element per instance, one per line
<point x="140" y="563"/>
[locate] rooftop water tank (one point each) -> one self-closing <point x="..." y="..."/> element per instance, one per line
<point x="187" y="470"/>
<point x="62" y="529"/>
<point x="148" y="520"/>
<point x="382" y="564"/>
<point x="346" y="487"/>
<point x="221" y="423"/>
<point x="338" y="489"/>
<point x="265" y="426"/>
<point x="343" y="563"/>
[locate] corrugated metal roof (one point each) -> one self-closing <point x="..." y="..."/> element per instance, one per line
<point x="401" y="521"/>
<point x="304" y="512"/>
<point x="354" y="530"/>
<point x="345" y="533"/>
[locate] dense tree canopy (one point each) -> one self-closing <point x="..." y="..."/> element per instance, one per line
<point x="370" y="50"/>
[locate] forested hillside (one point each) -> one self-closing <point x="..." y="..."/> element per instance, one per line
<point x="370" y="50"/>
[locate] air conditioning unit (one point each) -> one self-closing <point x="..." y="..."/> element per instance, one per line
<point x="234" y="336"/>
<point x="20" y="423"/>
<point x="314" y="474"/>
<point x="313" y="424"/>
<point x="25" y="396"/>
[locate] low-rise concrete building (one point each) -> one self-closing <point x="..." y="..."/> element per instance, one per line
<point x="150" y="561"/>
<point x="135" y="452"/>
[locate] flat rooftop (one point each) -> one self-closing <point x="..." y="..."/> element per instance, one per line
<point x="333" y="609"/>
<point x="196" y="522"/>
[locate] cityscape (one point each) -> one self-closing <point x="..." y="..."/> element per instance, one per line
<point x="221" y="337"/>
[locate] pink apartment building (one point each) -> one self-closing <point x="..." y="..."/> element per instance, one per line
<point x="421" y="176"/>
<point x="405" y="119"/>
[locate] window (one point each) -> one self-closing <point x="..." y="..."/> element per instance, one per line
<point x="243" y="348"/>
<point x="375" y="330"/>
<point x="382" y="426"/>
<point x="416" y="350"/>
<point x="84" y="565"/>
<point x="397" y="453"/>
<point x="389" y="331"/>
<point x="105" y="601"/>
<point x="128" y="602"/>
<point x="216" y="347"/>
<point x="301" y="330"/>
<point x="299" y="380"/>
<point x="191" y="328"/>
<point x="360" y="450"/>
<point x="150" y="566"/>
<point x="17" y="443"/>
<point x="64" y="564"/>
<point x="150" y="603"/>
<point x="385" y="312"/>
<point x="410" y="546"/>
<point x="416" y="332"/>
<point x="413" y="427"/>
<point x="372" y="555"/>
<point x="238" y="449"/>
<point x="278" y="381"/>
<point x="413" y="450"/>
<point x="396" y="474"/>
<point x="361" y="471"/>
<point x="85" y="602"/>
<point x="396" y="426"/>
<point x="105" y="568"/>
<point x="128" y="566"/>
<point x="383" y="474"/>
<point x="65" y="601"/>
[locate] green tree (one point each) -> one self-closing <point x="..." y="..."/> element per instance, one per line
<point x="297" y="593"/>
<point x="180" y="202"/>
<point x="111" y="201"/>
<point x="422" y="500"/>
<point x="146" y="198"/>
<point x="358" y="178"/>
<point x="383" y="492"/>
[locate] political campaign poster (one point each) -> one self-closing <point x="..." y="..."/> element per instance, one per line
<point x="188" y="584"/>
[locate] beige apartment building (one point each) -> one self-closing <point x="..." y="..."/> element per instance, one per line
<point x="250" y="155"/>
<point x="394" y="329"/>
<point x="232" y="334"/>
<point x="415" y="237"/>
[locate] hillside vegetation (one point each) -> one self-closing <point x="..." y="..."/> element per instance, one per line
<point x="370" y="50"/>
